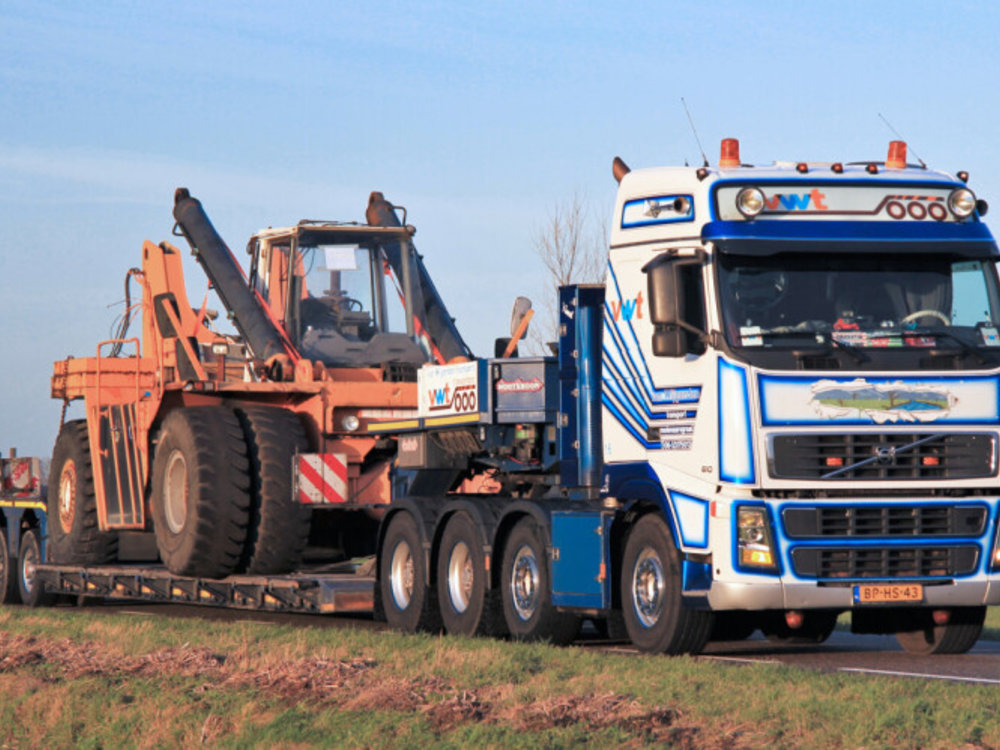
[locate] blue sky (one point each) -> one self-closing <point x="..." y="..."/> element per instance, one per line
<point x="477" y="118"/>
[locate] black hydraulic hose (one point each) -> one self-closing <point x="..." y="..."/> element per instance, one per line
<point x="245" y="309"/>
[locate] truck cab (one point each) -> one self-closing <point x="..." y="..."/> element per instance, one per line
<point x="800" y="371"/>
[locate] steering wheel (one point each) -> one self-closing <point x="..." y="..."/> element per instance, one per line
<point x="349" y="303"/>
<point x="927" y="313"/>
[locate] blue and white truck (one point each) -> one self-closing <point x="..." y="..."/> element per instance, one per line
<point x="782" y="405"/>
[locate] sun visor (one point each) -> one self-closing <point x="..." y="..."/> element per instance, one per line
<point x="762" y="237"/>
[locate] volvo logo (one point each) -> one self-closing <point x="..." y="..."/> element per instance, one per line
<point x="886" y="454"/>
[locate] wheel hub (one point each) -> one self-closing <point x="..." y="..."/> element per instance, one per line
<point x="29" y="560"/>
<point x="67" y="496"/>
<point x="175" y="492"/>
<point x="461" y="577"/>
<point x="401" y="575"/>
<point x="525" y="583"/>
<point x="648" y="584"/>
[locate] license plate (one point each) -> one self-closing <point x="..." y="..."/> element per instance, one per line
<point x="881" y="593"/>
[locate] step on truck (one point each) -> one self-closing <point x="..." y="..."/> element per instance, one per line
<point x="781" y="406"/>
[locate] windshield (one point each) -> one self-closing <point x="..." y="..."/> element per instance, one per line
<point x="858" y="302"/>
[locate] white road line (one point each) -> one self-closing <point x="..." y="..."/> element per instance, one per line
<point x="926" y="676"/>
<point x="742" y="660"/>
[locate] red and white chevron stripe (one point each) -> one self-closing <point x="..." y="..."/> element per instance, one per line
<point x="321" y="478"/>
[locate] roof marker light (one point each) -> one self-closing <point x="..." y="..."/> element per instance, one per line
<point x="801" y="167"/>
<point x="730" y="153"/>
<point x="962" y="203"/>
<point x="750" y="202"/>
<point x="872" y="169"/>
<point x="897" y="155"/>
<point x="837" y="167"/>
<point x="963" y="176"/>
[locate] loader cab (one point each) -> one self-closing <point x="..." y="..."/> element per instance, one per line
<point x="341" y="292"/>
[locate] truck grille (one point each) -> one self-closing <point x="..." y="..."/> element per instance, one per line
<point x="885" y="562"/>
<point x="948" y="456"/>
<point x="884" y="521"/>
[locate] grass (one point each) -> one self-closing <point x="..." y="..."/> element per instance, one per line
<point x="73" y="678"/>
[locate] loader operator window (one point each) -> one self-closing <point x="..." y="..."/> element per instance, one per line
<point x="338" y="292"/>
<point x="858" y="307"/>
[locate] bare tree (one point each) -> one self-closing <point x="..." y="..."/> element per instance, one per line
<point x="573" y="248"/>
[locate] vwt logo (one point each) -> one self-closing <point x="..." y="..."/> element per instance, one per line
<point x="814" y="200"/>
<point x="460" y="399"/>
<point x="627" y="308"/>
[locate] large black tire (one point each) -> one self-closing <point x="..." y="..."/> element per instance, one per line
<point x="29" y="586"/>
<point x="410" y="604"/>
<point x="201" y="491"/>
<point x="9" y="593"/>
<point x="468" y="605"/>
<point x="279" y="525"/>
<point x="956" y="637"/>
<point x="73" y="533"/>
<point x="526" y="591"/>
<point x="817" y="626"/>
<point x="655" y="616"/>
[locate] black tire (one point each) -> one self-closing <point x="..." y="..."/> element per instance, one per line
<point x="956" y="637"/>
<point x="30" y="588"/>
<point x="817" y="626"/>
<point x="468" y="605"/>
<point x="9" y="592"/>
<point x="279" y="525"/>
<point x="73" y="533"/>
<point x="655" y="616"/>
<point x="736" y="625"/>
<point x="201" y="491"/>
<point x="410" y="604"/>
<point x="526" y="592"/>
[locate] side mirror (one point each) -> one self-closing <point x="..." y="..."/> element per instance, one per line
<point x="520" y="317"/>
<point x="667" y="304"/>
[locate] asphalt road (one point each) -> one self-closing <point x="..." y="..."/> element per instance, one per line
<point x="843" y="652"/>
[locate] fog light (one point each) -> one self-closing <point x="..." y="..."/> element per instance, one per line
<point x="350" y="423"/>
<point x="962" y="202"/>
<point x="750" y="202"/>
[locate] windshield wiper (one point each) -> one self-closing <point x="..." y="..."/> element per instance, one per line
<point x="819" y="337"/>
<point x="966" y="348"/>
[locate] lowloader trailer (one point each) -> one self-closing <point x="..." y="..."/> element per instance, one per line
<point x="782" y="405"/>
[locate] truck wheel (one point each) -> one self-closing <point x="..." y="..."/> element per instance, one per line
<point x="74" y="536"/>
<point x="655" y="616"/>
<point x="408" y="601"/>
<point x="468" y="607"/>
<point x="526" y="592"/>
<point x="817" y="626"/>
<point x="201" y="491"/>
<point x="29" y="585"/>
<point x="9" y="593"/>
<point x="956" y="637"/>
<point x="279" y="525"/>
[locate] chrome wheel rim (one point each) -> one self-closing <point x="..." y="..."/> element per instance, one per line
<point x="401" y="575"/>
<point x="175" y="492"/>
<point x="648" y="587"/>
<point x="29" y="559"/>
<point x="67" y="496"/>
<point x="461" y="577"/>
<point x="525" y="583"/>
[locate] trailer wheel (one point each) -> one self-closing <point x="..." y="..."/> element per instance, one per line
<point x="655" y="616"/>
<point x="29" y="586"/>
<point x="279" y="526"/>
<point x="201" y="491"/>
<point x="74" y="535"/>
<point x="468" y="607"/>
<point x="9" y="593"/>
<point x="410" y="604"/>
<point x="817" y="627"/>
<point x="526" y="590"/>
<point x="957" y="636"/>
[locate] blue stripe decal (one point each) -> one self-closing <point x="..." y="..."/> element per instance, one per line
<point x="845" y="231"/>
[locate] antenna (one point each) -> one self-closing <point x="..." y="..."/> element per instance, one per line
<point x="896" y="133"/>
<point x="695" y="131"/>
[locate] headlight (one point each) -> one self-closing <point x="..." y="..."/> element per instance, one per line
<point x="962" y="202"/>
<point x="750" y="202"/>
<point x="756" y="550"/>
<point x="350" y="423"/>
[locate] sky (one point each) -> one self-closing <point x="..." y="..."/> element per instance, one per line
<point x="479" y="118"/>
